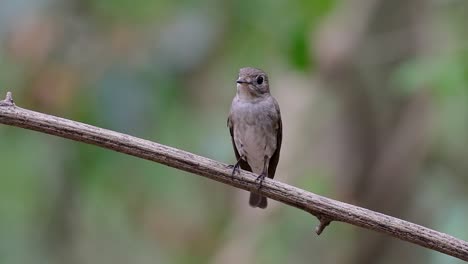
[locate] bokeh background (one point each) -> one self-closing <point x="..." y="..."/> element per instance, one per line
<point x="374" y="100"/>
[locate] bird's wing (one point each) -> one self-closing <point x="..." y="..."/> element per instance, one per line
<point x="242" y="163"/>
<point x="279" y="138"/>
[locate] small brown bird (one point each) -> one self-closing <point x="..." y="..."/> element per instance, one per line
<point x="256" y="129"/>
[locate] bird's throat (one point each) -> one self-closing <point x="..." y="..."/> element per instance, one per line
<point x="245" y="93"/>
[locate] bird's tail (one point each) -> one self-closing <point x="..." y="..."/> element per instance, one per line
<point x="257" y="200"/>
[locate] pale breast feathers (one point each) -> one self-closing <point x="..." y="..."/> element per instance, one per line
<point x="252" y="131"/>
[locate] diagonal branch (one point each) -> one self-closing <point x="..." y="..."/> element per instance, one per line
<point x="325" y="209"/>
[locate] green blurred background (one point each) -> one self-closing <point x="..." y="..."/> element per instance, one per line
<point x="374" y="100"/>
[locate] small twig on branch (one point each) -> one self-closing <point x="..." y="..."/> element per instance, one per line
<point x="8" y="100"/>
<point x="324" y="222"/>
<point x="325" y="209"/>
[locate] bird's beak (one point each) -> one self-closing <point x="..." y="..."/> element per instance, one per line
<point x="241" y="81"/>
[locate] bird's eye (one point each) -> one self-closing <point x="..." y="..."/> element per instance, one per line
<point x="259" y="79"/>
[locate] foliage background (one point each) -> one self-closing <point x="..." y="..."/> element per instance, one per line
<point x="374" y="100"/>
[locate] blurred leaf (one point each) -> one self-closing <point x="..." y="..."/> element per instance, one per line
<point x="308" y="16"/>
<point x="299" y="50"/>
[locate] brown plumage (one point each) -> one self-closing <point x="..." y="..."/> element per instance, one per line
<point x="256" y="128"/>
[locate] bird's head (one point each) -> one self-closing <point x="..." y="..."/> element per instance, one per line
<point x="252" y="83"/>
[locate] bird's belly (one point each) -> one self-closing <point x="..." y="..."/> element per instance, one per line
<point x="254" y="142"/>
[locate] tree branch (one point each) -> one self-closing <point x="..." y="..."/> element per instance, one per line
<point x="325" y="209"/>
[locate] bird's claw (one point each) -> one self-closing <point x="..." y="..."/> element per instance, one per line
<point x="235" y="169"/>
<point x="260" y="179"/>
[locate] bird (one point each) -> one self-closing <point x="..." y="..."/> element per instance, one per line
<point x="256" y="129"/>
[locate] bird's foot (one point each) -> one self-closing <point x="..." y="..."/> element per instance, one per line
<point x="235" y="168"/>
<point x="260" y="179"/>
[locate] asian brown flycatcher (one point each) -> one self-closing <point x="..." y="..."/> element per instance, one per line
<point x="256" y="129"/>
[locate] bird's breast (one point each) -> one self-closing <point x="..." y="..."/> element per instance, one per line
<point x="255" y="132"/>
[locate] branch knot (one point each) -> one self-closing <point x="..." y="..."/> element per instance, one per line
<point x="8" y="100"/>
